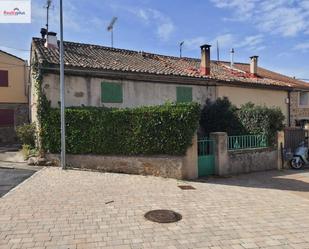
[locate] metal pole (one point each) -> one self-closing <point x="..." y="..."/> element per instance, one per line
<point x="47" y="19"/>
<point x="62" y="90"/>
<point x="112" y="34"/>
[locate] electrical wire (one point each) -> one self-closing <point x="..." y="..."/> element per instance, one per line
<point x="20" y="49"/>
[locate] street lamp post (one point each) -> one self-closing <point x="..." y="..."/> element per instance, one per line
<point x="62" y="90"/>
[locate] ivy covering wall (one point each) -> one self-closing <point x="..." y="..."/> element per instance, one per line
<point x="166" y="129"/>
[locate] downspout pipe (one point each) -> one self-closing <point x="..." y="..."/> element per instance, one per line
<point x="289" y="108"/>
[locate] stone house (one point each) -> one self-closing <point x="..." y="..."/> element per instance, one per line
<point x="13" y="96"/>
<point x="103" y="76"/>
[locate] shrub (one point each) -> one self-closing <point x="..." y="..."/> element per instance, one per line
<point x="261" y="120"/>
<point x="220" y="115"/>
<point x="29" y="151"/>
<point x="166" y="129"/>
<point x="26" y="134"/>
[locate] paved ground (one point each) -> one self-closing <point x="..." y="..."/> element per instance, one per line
<point x="75" y="209"/>
<point x="10" y="177"/>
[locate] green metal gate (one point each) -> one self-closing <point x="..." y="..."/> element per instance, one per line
<point x="206" y="157"/>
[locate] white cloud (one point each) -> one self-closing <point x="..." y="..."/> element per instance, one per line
<point x="228" y="40"/>
<point x="164" y="25"/>
<point x="304" y="46"/>
<point x="243" y="8"/>
<point x="283" y="17"/>
<point x="71" y="17"/>
<point x="252" y="43"/>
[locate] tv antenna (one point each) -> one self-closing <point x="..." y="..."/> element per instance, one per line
<point x="110" y="28"/>
<point x="48" y="4"/>
<point x="218" y="51"/>
<point x="180" y="48"/>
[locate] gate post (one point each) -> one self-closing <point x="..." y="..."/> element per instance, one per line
<point x="280" y="146"/>
<point x="190" y="168"/>
<point x="221" y="154"/>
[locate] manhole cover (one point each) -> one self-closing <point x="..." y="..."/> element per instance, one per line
<point x="163" y="216"/>
<point x="186" y="187"/>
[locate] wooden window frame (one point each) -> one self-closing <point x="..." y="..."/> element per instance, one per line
<point x="303" y="106"/>
<point x="110" y="94"/>
<point x="4" y="78"/>
<point x="180" y="90"/>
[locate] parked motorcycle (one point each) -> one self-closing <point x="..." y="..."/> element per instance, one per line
<point x="300" y="156"/>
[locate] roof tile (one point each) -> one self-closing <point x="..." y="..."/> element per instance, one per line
<point x="100" y="57"/>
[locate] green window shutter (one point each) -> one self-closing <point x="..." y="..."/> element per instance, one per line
<point x="111" y="92"/>
<point x="184" y="94"/>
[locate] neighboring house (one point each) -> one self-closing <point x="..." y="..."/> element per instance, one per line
<point x="104" y="76"/>
<point x="13" y="96"/>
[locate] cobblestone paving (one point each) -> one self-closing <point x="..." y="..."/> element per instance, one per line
<point x="74" y="210"/>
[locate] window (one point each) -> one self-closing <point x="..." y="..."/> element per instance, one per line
<point x="4" y="78"/>
<point x="111" y="92"/>
<point x="303" y="99"/>
<point x="6" y="117"/>
<point x="184" y="94"/>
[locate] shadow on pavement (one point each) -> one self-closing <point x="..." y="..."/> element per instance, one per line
<point x="290" y="180"/>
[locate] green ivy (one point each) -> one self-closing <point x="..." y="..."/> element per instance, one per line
<point x="167" y="129"/>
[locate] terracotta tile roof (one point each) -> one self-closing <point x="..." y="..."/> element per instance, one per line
<point x="99" y="57"/>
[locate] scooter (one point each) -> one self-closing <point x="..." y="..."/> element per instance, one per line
<point x="301" y="156"/>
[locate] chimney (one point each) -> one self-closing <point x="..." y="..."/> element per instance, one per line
<point x="254" y="65"/>
<point x="205" y="60"/>
<point x="51" y="40"/>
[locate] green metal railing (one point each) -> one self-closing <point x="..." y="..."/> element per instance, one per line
<point x="205" y="147"/>
<point x="246" y="142"/>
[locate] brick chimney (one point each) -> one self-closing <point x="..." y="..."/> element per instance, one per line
<point x="254" y="65"/>
<point x="205" y="60"/>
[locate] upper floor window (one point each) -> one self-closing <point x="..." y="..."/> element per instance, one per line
<point x="111" y="92"/>
<point x="183" y="94"/>
<point x="304" y="99"/>
<point x="4" y="78"/>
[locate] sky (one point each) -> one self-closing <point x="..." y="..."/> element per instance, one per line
<point x="277" y="30"/>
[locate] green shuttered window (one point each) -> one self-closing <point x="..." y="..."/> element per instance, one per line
<point x="111" y="92"/>
<point x="184" y="94"/>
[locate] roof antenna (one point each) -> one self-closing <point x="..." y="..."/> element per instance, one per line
<point x="110" y="28"/>
<point x="180" y="48"/>
<point x="232" y="57"/>
<point x="44" y="31"/>
<point x="48" y="3"/>
<point x="218" y="51"/>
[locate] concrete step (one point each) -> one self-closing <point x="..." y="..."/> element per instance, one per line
<point x="12" y="156"/>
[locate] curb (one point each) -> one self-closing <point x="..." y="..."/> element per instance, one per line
<point x="22" y="183"/>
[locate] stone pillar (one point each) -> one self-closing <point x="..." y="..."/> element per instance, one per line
<point x="221" y="154"/>
<point x="280" y="145"/>
<point x="190" y="167"/>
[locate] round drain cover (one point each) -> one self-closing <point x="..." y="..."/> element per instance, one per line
<point x="163" y="216"/>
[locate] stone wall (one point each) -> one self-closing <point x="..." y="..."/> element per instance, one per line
<point x="229" y="162"/>
<point x="297" y="112"/>
<point x="245" y="161"/>
<point x="157" y="166"/>
<point x="179" y="167"/>
<point x="21" y="116"/>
